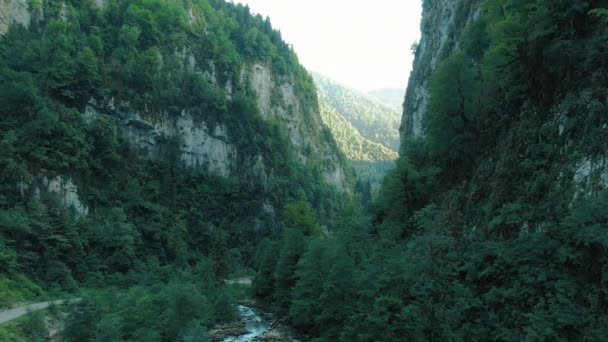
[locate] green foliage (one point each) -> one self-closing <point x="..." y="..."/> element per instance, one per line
<point x="292" y="249"/>
<point x="350" y="114"/>
<point x="452" y="133"/>
<point x="598" y="11"/>
<point x="305" y="306"/>
<point x="181" y="309"/>
<point x="266" y="259"/>
<point x="158" y="237"/>
<point x="17" y="288"/>
<point x="406" y="189"/>
<point x="477" y="233"/>
<point x="302" y="218"/>
<point x="353" y="144"/>
<point x="433" y="286"/>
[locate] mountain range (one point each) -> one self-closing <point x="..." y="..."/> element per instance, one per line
<point x="364" y="129"/>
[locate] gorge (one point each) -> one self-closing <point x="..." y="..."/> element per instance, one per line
<point x="152" y="149"/>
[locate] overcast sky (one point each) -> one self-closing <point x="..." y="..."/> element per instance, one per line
<point x="363" y="44"/>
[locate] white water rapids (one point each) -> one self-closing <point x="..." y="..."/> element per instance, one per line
<point x="255" y="325"/>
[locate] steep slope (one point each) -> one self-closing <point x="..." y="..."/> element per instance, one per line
<point x="373" y="120"/>
<point x="493" y="224"/>
<point x="354" y="145"/>
<point x="151" y="142"/>
<point x="441" y="29"/>
<point x="390" y="97"/>
<point x="541" y="96"/>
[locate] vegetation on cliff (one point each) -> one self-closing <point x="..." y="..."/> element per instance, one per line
<point x="372" y="120"/>
<point x="480" y="232"/>
<point x="161" y="236"/>
<point x="489" y="227"/>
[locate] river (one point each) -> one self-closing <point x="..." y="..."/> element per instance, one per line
<point x="255" y="325"/>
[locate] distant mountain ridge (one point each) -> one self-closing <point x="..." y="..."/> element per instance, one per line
<point x="390" y="97"/>
<point x="373" y="121"/>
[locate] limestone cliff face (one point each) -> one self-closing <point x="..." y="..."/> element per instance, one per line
<point x="441" y="26"/>
<point x="201" y="143"/>
<point x="583" y="172"/>
<point x="286" y="108"/>
<point x="13" y="11"/>
<point x="208" y="145"/>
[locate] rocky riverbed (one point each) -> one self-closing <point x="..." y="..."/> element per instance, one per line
<point x="255" y="325"/>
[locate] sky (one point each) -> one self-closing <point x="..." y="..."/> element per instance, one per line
<point x="362" y="44"/>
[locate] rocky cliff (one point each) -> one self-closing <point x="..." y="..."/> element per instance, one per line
<point x="527" y="120"/>
<point x="492" y="226"/>
<point x="216" y="130"/>
<point x="209" y="145"/>
<point x="13" y="11"/>
<point x="442" y="24"/>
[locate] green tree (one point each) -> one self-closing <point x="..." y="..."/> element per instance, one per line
<point x="176" y="241"/>
<point x="301" y="217"/>
<point x="311" y="273"/>
<point x="451" y="116"/>
<point x="265" y="262"/>
<point x="292" y="249"/>
<point x="117" y="239"/>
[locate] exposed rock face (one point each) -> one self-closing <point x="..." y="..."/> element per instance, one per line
<point x="202" y="144"/>
<point x="261" y="81"/>
<point x="208" y="146"/>
<point x="205" y="146"/>
<point x="591" y="176"/>
<point x="441" y="26"/>
<point x="13" y="11"/>
<point x="62" y="188"/>
<point x="282" y="103"/>
<point x="67" y="192"/>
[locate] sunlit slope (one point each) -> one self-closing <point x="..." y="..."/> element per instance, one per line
<point x="354" y="145"/>
<point x="374" y="121"/>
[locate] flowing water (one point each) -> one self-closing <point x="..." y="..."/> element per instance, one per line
<point x="255" y="325"/>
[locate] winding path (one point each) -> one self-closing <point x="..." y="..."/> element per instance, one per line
<point x="239" y="281"/>
<point x="9" y="315"/>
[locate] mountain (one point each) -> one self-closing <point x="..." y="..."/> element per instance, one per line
<point x="364" y="129"/>
<point x="148" y="146"/>
<point x="373" y="120"/>
<point x="493" y="224"/>
<point x="354" y="145"/>
<point x="390" y="97"/>
<point x="157" y="156"/>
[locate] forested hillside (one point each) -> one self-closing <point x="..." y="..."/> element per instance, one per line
<point x="147" y="146"/>
<point x="373" y="121"/>
<point x="390" y="97"/>
<point x="355" y="146"/>
<point x="493" y="226"/>
<point x="365" y="130"/>
<point x="152" y="149"/>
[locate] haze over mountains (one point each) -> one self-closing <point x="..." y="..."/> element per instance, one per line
<point x="390" y="97"/>
<point x="168" y="163"/>
<point x="364" y="128"/>
<point x="354" y="145"/>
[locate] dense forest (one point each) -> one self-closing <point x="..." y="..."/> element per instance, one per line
<point x="486" y="229"/>
<point x="353" y="144"/>
<point x="492" y="225"/>
<point x="146" y="237"/>
<point x="373" y="121"/>
<point x="365" y="130"/>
